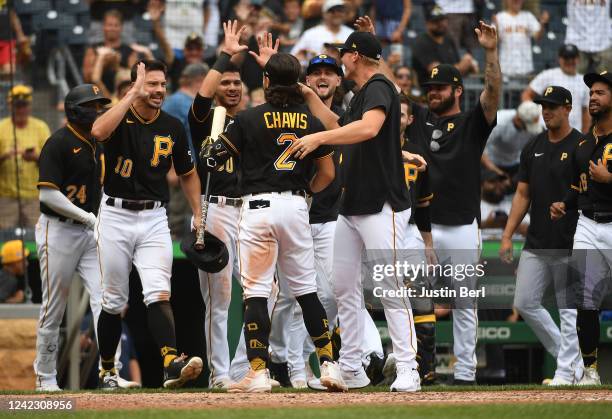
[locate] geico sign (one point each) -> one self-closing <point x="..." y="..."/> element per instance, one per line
<point x="501" y="333"/>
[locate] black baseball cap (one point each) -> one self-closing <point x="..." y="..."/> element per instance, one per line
<point x="85" y="93"/>
<point x="568" y="51"/>
<point x="322" y="60"/>
<point x="444" y="74"/>
<point x="433" y="12"/>
<point x="364" y="43"/>
<point x="194" y="40"/>
<point x="555" y="95"/>
<point x="603" y="77"/>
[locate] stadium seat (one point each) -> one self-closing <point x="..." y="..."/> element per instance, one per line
<point x="52" y="20"/>
<point x="30" y="7"/>
<point x="75" y="35"/>
<point x="72" y="6"/>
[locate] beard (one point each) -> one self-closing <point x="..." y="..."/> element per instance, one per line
<point x="601" y="113"/>
<point x="325" y="96"/>
<point x="443" y="106"/>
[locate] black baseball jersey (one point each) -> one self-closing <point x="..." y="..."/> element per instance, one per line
<point x="326" y="204"/>
<point x="454" y="169"/>
<point x="261" y="137"/>
<point x="418" y="182"/>
<point x="592" y="195"/>
<point x="373" y="171"/>
<point x="73" y="165"/>
<point x="139" y="154"/>
<point x="224" y="181"/>
<point x="547" y="168"/>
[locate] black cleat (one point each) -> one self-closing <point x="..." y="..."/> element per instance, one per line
<point x="181" y="370"/>
<point x="279" y="371"/>
<point x="458" y="382"/>
<point x="374" y="371"/>
<point x="108" y="381"/>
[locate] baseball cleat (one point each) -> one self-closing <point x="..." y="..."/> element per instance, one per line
<point x="298" y="378"/>
<point x="590" y="377"/>
<point x="254" y="382"/>
<point x="557" y="381"/>
<point x="47" y="385"/>
<point x="460" y="382"/>
<point x="408" y="380"/>
<point x="181" y="370"/>
<point x="126" y="383"/>
<point x="220" y="383"/>
<point x="355" y="379"/>
<point x="331" y="377"/>
<point x="108" y="380"/>
<point x="374" y="370"/>
<point x="389" y="368"/>
<point x="315" y="384"/>
<point x="279" y="371"/>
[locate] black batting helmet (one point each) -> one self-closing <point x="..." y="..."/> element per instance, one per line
<point x="77" y="97"/>
<point x="212" y="258"/>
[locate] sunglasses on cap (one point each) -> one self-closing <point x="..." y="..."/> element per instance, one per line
<point x="323" y="59"/>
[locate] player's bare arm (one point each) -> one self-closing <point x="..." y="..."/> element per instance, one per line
<point x="520" y="206"/>
<point x="489" y="98"/>
<point x="328" y="118"/>
<point x="231" y="47"/>
<point x="190" y="183"/>
<point x="599" y="172"/>
<point x="267" y="48"/>
<point x="356" y="132"/>
<point x="110" y="120"/>
<point x="326" y="172"/>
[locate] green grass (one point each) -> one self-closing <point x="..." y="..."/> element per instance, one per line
<point x="369" y="389"/>
<point x="476" y="411"/>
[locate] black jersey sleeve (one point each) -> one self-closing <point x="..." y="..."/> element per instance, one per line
<point x="233" y="136"/>
<point x="378" y="94"/>
<point x="200" y="108"/>
<point x="181" y="153"/>
<point x="50" y="165"/>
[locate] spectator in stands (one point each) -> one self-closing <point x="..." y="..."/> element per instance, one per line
<point x="20" y="156"/>
<point x="103" y="60"/>
<point x="406" y="80"/>
<point x="291" y="26"/>
<point x="127" y="8"/>
<point x="179" y="103"/>
<point x="435" y="46"/>
<point x="331" y="31"/>
<point x="182" y="17"/>
<point x="391" y="19"/>
<point x="193" y="53"/>
<point x="514" y="129"/>
<point x="461" y="22"/>
<point x="14" y="264"/>
<point x="565" y="75"/>
<point x="257" y="97"/>
<point x="494" y="208"/>
<point x="589" y="28"/>
<point x="516" y="27"/>
<point x="10" y="45"/>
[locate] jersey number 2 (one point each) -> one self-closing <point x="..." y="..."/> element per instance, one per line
<point x="283" y="162"/>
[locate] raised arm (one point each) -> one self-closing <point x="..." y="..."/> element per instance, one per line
<point x="110" y="120"/>
<point x="489" y="98"/>
<point x="156" y="9"/>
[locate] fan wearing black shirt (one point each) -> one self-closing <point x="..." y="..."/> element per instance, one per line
<point x="545" y="175"/>
<point x="375" y="210"/>
<point x="592" y="195"/>
<point x="222" y="83"/>
<point x="453" y="142"/>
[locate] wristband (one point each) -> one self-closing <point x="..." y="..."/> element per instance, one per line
<point x="222" y="62"/>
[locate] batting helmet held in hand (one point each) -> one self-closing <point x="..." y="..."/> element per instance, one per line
<point x="79" y="96"/>
<point x="212" y="258"/>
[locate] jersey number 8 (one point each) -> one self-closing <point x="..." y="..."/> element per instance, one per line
<point x="283" y="162"/>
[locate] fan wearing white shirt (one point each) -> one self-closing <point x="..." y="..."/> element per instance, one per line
<point x="566" y="75"/>
<point x="331" y="31"/>
<point x="516" y="27"/>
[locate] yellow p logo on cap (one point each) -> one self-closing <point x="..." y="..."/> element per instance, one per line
<point x="434" y="72"/>
<point x="548" y="91"/>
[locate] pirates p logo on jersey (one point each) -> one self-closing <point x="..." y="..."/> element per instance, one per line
<point x="450" y="127"/>
<point x="162" y="147"/>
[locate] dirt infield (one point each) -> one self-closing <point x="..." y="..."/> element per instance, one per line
<point x="168" y="400"/>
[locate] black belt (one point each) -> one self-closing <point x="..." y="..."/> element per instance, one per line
<point x="69" y="220"/>
<point x="232" y="202"/>
<point x="134" y="205"/>
<point x="299" y="192"/>
<point x="598" y="216"/>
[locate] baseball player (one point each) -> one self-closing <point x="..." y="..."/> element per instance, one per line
<point x="70" y="176"/>
<point x="273" y="227"/>
<point x="453" y="142"/>
<point x="544" y="176"/>
<point x="375" y="210"/>
<point x="591" y="194"/>
<point x="222" y="83"/>
<point x="141" y="143"/>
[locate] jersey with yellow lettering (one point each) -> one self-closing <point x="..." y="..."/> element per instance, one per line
<point x="261" y="137"/>
<point x="139" y="154"/>
<point x="592" y="195"/>
<point x="224" y="180"/>
<point x="73" y="165"/>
